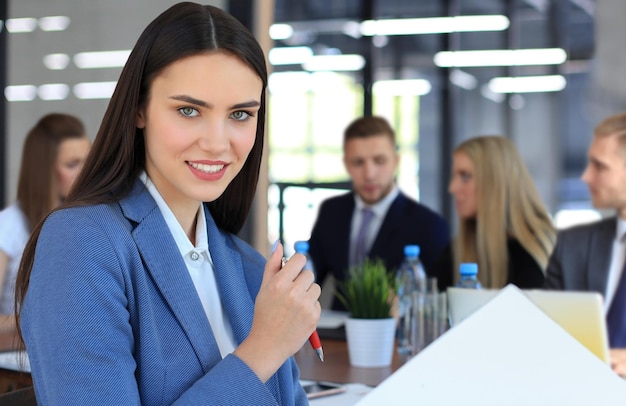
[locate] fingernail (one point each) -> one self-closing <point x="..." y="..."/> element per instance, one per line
<point x="275" y="245"/>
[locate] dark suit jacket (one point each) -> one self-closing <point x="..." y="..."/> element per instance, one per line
<point x="582" y="256"/>
<point x="406" y="222"/>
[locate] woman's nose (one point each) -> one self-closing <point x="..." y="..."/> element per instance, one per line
<point x="214" y="137"/>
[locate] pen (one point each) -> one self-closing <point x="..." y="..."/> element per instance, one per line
<point x="314" y="339"/>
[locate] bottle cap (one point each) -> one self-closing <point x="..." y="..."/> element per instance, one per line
<point x="411" y="250"/>
<point x="469" y="268"/>
<point x="301" y="247"/>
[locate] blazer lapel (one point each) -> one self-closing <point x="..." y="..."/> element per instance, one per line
<point x="169" y="272"/>
<point x="343" y="225"/>
<point x="230" y="276"/>
<point x="393" y="216"/>
<point x="600" y="255"/>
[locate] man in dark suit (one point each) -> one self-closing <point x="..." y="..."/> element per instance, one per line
<point x="591" y="257"/>
<point x="340" y="239"/>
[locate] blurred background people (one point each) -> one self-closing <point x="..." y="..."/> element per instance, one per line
<point x="54" y="152"/>
<point x="375" y="219"/>
<point x="591" y="257"/>
<point x="503" y="225"/>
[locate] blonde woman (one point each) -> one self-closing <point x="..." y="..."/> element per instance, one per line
<point x="503" y="224"/>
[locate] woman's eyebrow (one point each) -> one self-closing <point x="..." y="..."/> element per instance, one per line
<point x="191" y="100"/>
<point x="201" y="103"/>
<point x="251" y="103"/>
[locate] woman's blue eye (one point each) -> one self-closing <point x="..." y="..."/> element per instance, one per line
<point x="188" y="111"/>
<point x="240" y="115"/>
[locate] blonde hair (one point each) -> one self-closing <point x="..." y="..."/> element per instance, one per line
<point x="508" y="206"/>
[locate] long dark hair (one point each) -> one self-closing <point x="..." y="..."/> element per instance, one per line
<point x="118" y="153"/>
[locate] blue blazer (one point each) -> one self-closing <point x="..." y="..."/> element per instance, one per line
<point x="406" y="222"/>
<point x="112" y="317"/>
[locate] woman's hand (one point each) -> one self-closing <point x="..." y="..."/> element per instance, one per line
<point x="286" y="312"/>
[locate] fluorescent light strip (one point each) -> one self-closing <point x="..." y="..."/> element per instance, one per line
<point x="94" y="90"/>
<point x="463" y="79"/>
<point x="527" y="84"/>
<point x="435" y="25"/>
<point x="15" y="25"/>
<point x="402" y="87"/>
<point x="500" y="57"/>
<point x="53" y="91"/>
<point x="20" y="93"/>
<point x="289" y="55"/>
<point x="56" y="61"/>
<point x="104" y="59"/>
<point x="54" y="23"/>
<point x="351" y="62"/>
<point x="50" y="23"/>
<point x="280" y="31"/>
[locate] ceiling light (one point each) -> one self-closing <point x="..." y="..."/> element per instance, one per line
<point x="280" y="31"/>
<point x="435" y="25"/>
<point x="56" y="61"/>
<point x="104" y="59"/>
<point x="463" y="79"/>
<point x="20" y="93"/>
<point x="488" y="94"/>
<point x="54" y="23"/>
<point x="53" y="91"/>
<point x="401" y="87"/>
<point x="15" y="25"/>
<point x="289" y="55"/>
<point x="351" y="62"/>
<point x="94" y="90"/>
<point x="500" y="57"/>
<point x="527" y="84"/>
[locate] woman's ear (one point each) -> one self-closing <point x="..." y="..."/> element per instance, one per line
<point x="140" y="122"/>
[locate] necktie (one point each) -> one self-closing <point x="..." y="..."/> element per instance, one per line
<point x="360" y="247"/>
<point x="616" y="317"/>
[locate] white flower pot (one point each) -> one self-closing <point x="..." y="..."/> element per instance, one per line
<point x="370" y="341"/>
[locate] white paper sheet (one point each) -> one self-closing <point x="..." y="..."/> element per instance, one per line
<point x="507" y="353"/>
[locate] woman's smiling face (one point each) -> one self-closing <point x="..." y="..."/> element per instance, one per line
<point x="199" y="126"/>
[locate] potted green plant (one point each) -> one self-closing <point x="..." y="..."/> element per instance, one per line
<point x="368" y="293"/>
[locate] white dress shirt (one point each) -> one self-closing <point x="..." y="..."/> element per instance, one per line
<point x="200" y="268"/>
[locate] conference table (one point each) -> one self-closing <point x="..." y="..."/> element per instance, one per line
<point x="336" y="366"/>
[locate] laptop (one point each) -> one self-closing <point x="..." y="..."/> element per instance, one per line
<point x="579" y="313"/>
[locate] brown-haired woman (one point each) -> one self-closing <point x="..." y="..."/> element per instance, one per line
<point x="53" y="154"/>
<point x="137" y="290"/>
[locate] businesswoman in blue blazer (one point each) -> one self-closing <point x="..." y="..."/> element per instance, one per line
<point x="137" y="291"/>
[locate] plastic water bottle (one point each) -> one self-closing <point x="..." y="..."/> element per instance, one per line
<point x="302" y="247"/>
<point x="410" y="284"/>
<point x="469" y="276"/>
